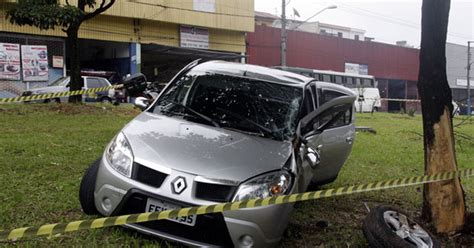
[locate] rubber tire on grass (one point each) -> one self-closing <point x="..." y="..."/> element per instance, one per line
<point x="87" y="188"/>
<point x="379" y="234"/>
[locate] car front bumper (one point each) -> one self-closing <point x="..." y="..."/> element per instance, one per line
<point x="116" y="194"/>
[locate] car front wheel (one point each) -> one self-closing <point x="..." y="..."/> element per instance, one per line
<point x="86" y="190"/>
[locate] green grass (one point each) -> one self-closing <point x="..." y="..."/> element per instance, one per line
<point x="44" y="150"/>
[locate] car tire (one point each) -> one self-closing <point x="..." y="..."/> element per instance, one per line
<point x="87" y="188"/>
<point x="105" y="100"/>
<point x="380" y="228"/>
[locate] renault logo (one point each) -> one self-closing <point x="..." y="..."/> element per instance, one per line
<point x="178" y="185"/>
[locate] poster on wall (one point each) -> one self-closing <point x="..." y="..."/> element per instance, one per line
<point x="353" y="68"/>
<point x="193" y="37"/>
<point x="10" y="61"/>
<point x="35" y="63"/>
<point x="58" y="61"/>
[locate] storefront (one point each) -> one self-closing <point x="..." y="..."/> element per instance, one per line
<point x="29" y="61"/>
<point x="141" y="37"/>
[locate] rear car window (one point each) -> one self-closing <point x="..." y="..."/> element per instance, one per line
<point x="344" y="118"/>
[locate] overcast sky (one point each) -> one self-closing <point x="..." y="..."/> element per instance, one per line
<point x="385" y="20"/>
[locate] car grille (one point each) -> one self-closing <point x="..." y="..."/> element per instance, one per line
<point x="215" y="192"/>
<point x="148" y="176"/>
<point x="209" y="228"/>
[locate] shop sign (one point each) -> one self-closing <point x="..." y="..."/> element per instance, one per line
<point x="10" y="61"/>
<point x="193" y="37"/>
<point x="463" y="82"/>
<point x="204" y="5"/>
<point x="35" y="63"/>
<point x="58" y="61"/>
<point x="359" y="69"/>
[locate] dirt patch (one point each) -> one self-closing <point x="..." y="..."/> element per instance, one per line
<point x="466" y="237"/>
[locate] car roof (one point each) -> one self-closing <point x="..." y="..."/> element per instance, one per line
<point x="253" y="71"/>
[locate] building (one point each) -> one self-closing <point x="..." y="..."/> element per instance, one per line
<point x="329" y="29"/>
<point x="154" y="37"/>
<point x="394" y="67"/>
<point x="265" y="19"/>
<point x="456" y="64"/>
<point x="270" y="20"/>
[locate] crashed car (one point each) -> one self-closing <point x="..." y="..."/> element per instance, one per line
<point x="222" y="132"/>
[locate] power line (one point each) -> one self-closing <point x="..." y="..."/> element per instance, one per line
<point x="190" y="10"/>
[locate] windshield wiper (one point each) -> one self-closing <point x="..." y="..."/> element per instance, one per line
<point x="260" y="127"/>
<point x="195" y="113"/>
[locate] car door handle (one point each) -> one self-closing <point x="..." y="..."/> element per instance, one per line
<point x="349" y="140"/>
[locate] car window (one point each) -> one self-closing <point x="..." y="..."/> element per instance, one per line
<point x="93" y="83"/>
<point x="326" y="95"/>
<point x="349" y="81"/>
<point x="308" y="104"/>
<point x="62" y="81"/>
<point x="326" y="78"/>
<point x="366" y="82"/>
<point x="345" y="118"/>
<point x="103" y="82"/>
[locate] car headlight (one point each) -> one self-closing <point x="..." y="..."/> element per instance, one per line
<point x="119" y="155"/>
<point x="271" y="184"/>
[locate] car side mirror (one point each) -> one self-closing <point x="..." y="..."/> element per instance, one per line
<point x="141" y="103"/>
<point x="312" y="155"/>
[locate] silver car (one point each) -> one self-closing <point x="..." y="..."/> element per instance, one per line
<point x="62" y="85"/>
<point x="222" y="132"/>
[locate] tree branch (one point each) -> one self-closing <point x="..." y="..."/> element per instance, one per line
<point x="102" y="8"/>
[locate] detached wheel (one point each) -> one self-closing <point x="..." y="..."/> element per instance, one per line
<point x="388" y="227"/>
<point x="87" y="188"/>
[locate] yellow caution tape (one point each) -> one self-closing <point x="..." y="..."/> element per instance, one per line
<point x="57" y="94"/>
<point x="393" y="99"/>
<point x="52" y="229"/>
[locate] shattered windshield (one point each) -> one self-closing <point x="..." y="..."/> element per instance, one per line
<point x="241" y="104"/>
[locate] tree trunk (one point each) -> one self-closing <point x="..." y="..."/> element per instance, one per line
<point x="443" y="203"/>
<point x="76" y="82"/>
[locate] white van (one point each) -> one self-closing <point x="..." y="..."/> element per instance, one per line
<point x="368" y="99"/>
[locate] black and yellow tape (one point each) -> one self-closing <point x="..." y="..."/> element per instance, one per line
<point x="52" y="229"/>
<point x="57" y="94"/>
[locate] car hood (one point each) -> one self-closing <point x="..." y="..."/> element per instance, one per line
<point x="49" y="89"/>
<point x="211" y="152"/>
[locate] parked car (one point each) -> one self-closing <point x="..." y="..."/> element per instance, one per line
<point x="368" y="99"/>
<point x="62" y="84"/>
<point x="222" y="132"/>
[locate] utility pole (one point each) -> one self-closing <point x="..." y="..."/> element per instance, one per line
<point x="283" y="34"/>
<point x="469" y="111"/>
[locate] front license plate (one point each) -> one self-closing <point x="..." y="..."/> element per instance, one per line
<point x="153" y="205"/>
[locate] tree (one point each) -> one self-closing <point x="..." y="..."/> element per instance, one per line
<point x="50" y="14"/>
<point x="443" y="202"/>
